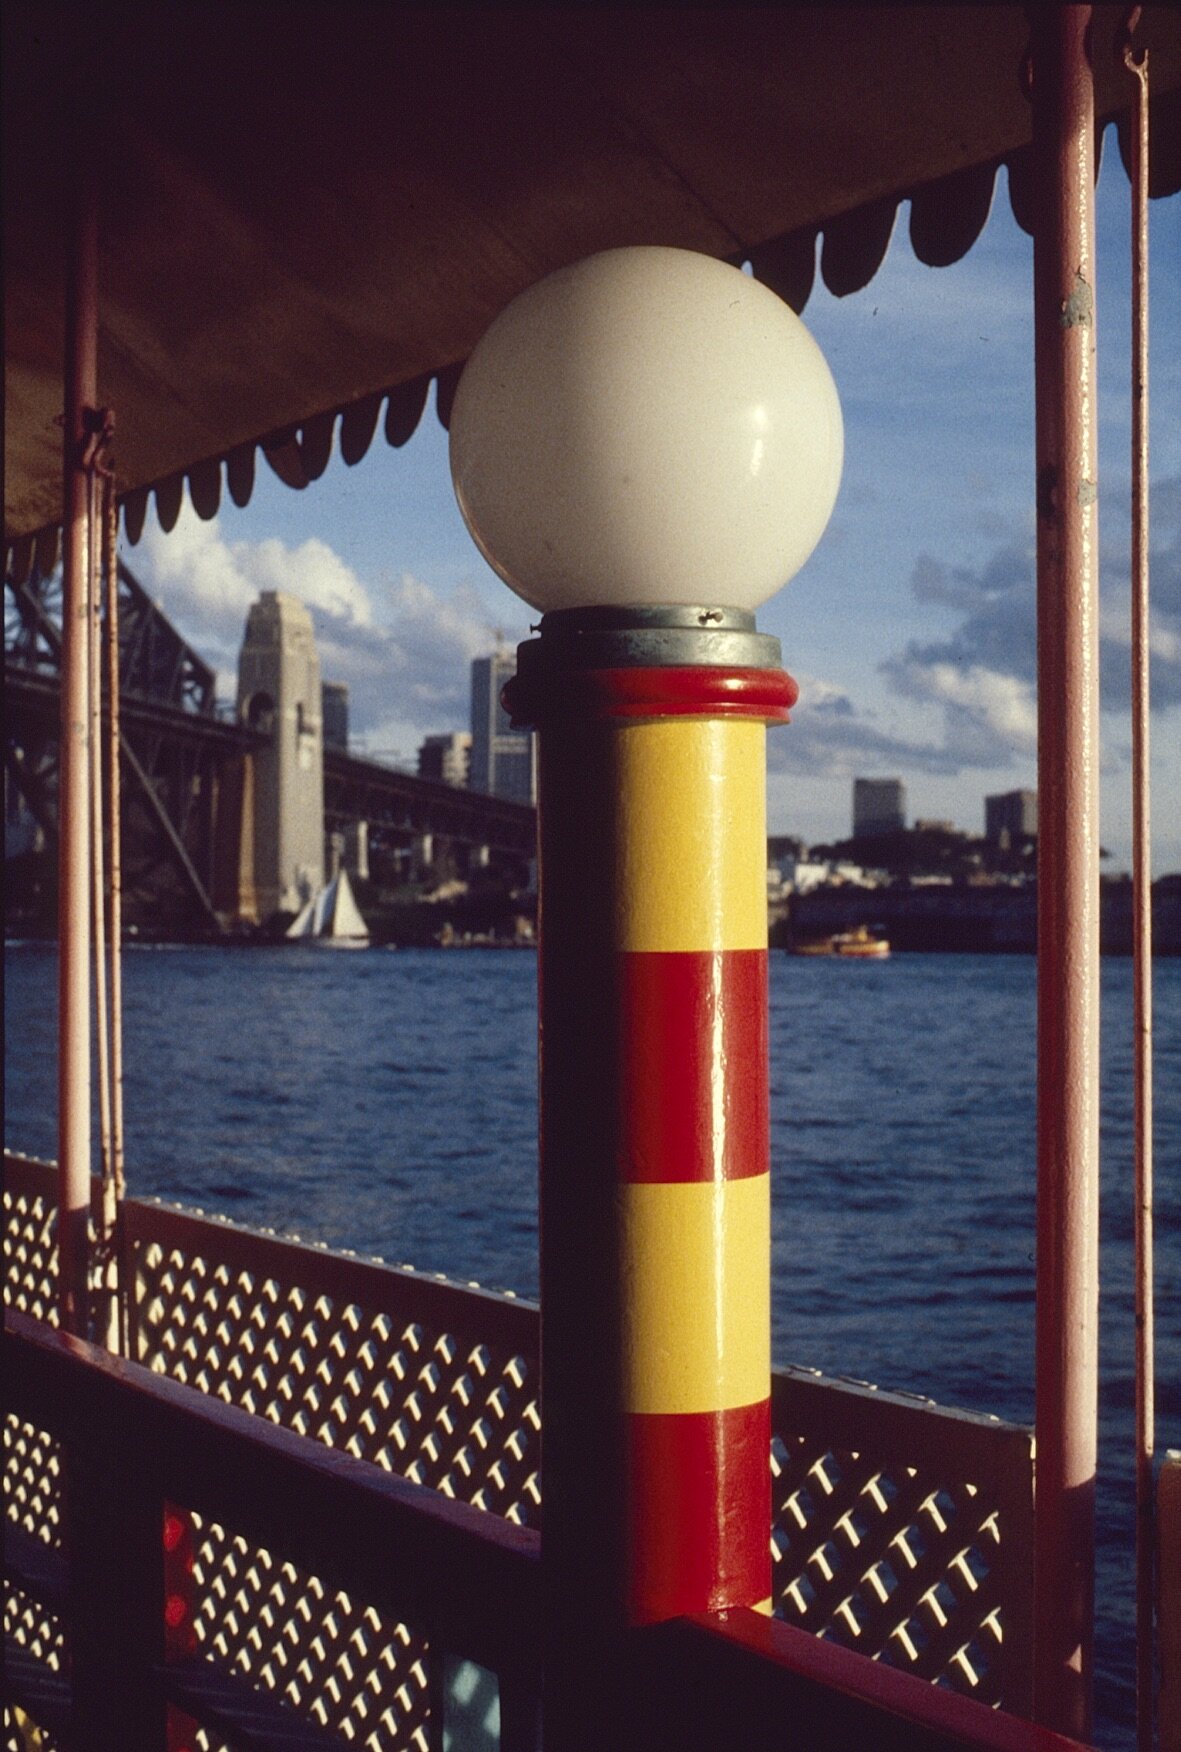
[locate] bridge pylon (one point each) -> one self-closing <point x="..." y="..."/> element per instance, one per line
<point x="281" y="862"/>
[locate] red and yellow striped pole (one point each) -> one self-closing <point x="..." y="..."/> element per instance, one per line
<point x="655" y="1206"/>
<point x="631" y="430"/>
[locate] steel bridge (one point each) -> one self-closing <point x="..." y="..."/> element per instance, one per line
<point x="181" y="765"/>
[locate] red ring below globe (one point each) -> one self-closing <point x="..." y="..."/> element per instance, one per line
<point x="685" y="692"/>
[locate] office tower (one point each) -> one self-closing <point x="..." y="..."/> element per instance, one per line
<point x="1011" y="814"/>
<point x="879" y="806"/>
<point x="334" y="714"/>
<point x="503" y="760"/>
<point x="446" y="757"/>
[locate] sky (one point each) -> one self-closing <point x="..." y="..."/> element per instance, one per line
<point x="911" y="628"/>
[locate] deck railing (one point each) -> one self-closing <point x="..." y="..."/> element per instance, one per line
<point x="901" y="1530"/>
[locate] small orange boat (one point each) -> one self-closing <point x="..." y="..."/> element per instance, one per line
<point x="859" y="944"/>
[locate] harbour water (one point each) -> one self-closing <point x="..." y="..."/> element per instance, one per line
<point x="386" y="1102"/>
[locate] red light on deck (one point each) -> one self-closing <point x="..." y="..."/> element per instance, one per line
<point x="174" y="1531"/>
<point x="176" y="1610"/>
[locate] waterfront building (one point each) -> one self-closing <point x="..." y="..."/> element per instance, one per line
<point x="1010" y="816"/>
<point x="879" y="806"/>
<point x="784" y="845"/>
<point x="334" y="712"/>
<point x="446" y="757"/>
<point x="503" y="760"/>
<point x="801" y="874"/>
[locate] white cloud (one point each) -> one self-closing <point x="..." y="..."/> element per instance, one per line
<point x="313" y="572"/>
<point x="1115" y="627"/>
<point x="202" y="575"/>
<point x="980" y="702"/>
<point x="403" y="648"/>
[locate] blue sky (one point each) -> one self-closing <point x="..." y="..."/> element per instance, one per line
<point x="911" y="627"/>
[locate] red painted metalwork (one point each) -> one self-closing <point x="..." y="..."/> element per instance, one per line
<point x="180" y="1638"/>
<point x="763" y="694"/>
<point x="1137" y="65"/>
<point x="680" y="1015"/>
<point x="740" y="1680"/>
<point x="113" y="1195"/>
<point x="178" y="1582"/>
<point x="706" y="1684"/>
<point x="680" y="1467"/>
<point x="97" y="870"/>
<point x="81" y="394"/>
<point x="1068" y="866"/>
<point x="187" y="1274"/>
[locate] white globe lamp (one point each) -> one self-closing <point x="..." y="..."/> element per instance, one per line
<point x="647" y="427"/>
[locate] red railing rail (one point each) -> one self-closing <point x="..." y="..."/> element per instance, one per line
<point x="900" y="1529"/>
<point x="133" y="1440"/>
<point x="739" y="1679"/>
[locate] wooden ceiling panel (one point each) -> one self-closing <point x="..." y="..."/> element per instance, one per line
<point x="303" y="206"/>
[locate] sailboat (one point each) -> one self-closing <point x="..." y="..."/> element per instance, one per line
<point x="331" y="917"/>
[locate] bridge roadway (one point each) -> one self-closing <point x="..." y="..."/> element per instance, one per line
<point x="364" y="790"/>
<point x="355" y="789"/>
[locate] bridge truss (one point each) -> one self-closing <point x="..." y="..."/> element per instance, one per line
<point x="175" y="754"/>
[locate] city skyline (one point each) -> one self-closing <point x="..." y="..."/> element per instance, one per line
<point x="911" y="628"/>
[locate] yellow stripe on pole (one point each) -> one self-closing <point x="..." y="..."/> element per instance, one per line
<point x="696" y="1264"/>
<point x="691" y="835"/>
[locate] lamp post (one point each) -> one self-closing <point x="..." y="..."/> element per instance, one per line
<point x="645" y="446"/>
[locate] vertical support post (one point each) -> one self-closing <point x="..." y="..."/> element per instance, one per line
<point x="1168" y="1569"/>
<point x="114" y="1188"/>
<point x="81" y="395"/>
<point x="1137" y="65"/>
<point x="180" y="1638"/>
<point x="1068" y="868"/>
<point x="655" y="1207"/>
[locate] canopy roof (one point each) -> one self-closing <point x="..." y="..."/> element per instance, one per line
<point x="306" y="209"/>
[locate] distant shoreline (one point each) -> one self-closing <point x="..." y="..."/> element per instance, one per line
<point x="967" y="918"/>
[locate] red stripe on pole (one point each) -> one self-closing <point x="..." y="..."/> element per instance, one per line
<point x="693" y="1065"/>
<point x="697" y="691"/>
<point x="700" y="1511"/>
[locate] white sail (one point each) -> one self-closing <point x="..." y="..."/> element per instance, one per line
<point x="322" y="914"/>
<point x="303" y="925"/>
<point x="346" y="920"/>
<point x="332" y="916"/>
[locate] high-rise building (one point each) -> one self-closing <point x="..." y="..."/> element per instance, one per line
<point x="334" y="712"/>
<point x="503" y="760"/>
<point x="879" y="806"/>
<point x="1010" y="816"/>
<point x="446" y="757"/>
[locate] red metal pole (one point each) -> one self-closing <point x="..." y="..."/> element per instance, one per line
<point x="1137" y="64"/>
<point x="1068" y="869"/>
<point x="655" y="1219"/>
<point x="81" y="395"/>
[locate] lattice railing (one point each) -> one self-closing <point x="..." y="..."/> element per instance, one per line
<point x="903" y="1531"/>
<point x="899" y="1529"/>
<point x="30" y="1245"/>
<point x="430" y="1380"/>
<point x="337" y="1661"/>
<point x="411" y="1373"/>
<point x="32" y="1464"/>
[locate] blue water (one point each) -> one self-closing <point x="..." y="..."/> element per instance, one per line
<point x="386" y="1101"/>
